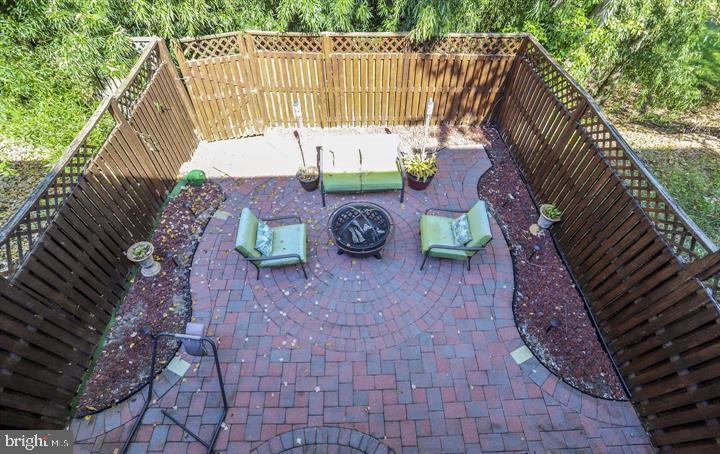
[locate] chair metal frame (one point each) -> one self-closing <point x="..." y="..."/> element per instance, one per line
<point x="202" y="339"/>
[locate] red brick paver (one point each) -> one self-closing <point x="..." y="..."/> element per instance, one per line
<point x="367" y="355"/>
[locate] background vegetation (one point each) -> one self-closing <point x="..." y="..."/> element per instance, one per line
<point x="653" y="58"/>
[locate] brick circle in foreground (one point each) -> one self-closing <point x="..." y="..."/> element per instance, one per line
<point x="323" y="440"/>
<point x="358" y="304"/>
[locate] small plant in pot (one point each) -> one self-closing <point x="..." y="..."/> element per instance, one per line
<point x="420" y="167"/>
<point x="142" y="254"/>
<point x="549" y="215"/>
<point x="309" y="177"/>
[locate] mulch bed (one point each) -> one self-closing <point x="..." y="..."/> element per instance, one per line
<point x="544" y="288"/>
<point x="152" y="305"/>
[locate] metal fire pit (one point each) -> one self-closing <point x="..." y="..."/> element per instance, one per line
<point x="360" y="228"/>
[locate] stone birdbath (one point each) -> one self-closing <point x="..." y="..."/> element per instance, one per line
<point x="142" y="254"/>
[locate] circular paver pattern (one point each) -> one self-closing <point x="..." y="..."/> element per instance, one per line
<point x="323" y="440"/>
<point x="357" y="304"/>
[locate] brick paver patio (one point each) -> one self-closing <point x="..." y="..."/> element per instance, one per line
<point x="367" y="355"/>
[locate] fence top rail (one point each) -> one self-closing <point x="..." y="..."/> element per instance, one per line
<point x="150" y="44"/>
<point x="692" y="227"/>
<point x="348" y="34"/>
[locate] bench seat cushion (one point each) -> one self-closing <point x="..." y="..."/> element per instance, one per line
<point x="359" y="163"/>
<point x="341" y="182"/>
<point x="372" y="181"/>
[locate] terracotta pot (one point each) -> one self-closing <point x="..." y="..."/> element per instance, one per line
<point x="416" y="184"/>
<point x="310" y="185"/>
<point x="544" y="221"/>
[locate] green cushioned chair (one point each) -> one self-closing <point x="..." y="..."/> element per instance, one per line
<point x="289" y="245"/>
<point x="437" y="240"/>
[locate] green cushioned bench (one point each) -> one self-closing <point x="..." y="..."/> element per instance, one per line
<point x="361" y="163"/>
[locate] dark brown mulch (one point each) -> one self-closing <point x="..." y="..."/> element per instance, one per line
<point x="544" y="288"/>
<point x="152" y="305"/>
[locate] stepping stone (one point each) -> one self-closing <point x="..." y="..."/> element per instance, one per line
<point x="522" y="354"/>
<point x="222" y="215"/>
<point x="178" y="366"/>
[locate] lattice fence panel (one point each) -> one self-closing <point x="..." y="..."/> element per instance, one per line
<point x="217" y="46"/>
<point x="288" y="43"/>
<point x="128" y="99"/>
<point x="478" y="45"/>
<point x="554" y="79"/>
<point x="687" y="245"/>
<point x="370" y="44"/>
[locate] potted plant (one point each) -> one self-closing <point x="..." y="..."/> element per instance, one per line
<point x="142" y="254"/>
<point x="309" y="177"/>
<point x="420" y="167"/>
<point x="549" y="215"/>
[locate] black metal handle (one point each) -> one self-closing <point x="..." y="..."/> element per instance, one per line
<point x="449" y="210"/>
<point x="282" y="217"/>
<point x="453" y="248"/>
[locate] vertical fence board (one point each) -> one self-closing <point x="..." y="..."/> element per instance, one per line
<point x="340" y="80"/>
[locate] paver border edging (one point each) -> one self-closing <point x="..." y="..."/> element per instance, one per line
<point x="549" y="382"/>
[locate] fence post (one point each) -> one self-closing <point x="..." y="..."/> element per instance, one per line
<point x="328" y="81"/>
<point x="509" y="79"/>
<point x="180" y="86"/>
<point x="116" y="112"/>
<point x="256" y="82"/>
<point x="135" y="140"/>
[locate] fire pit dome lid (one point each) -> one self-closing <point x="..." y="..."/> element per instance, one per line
<point x="360" y="227"/>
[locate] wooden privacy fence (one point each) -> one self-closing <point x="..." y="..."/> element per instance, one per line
<point x="648" y="272"/>
<point x="241" y="84"/>
<point x="64" y="269"/>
